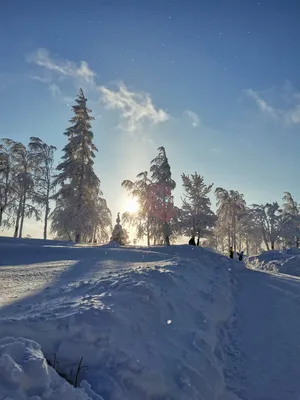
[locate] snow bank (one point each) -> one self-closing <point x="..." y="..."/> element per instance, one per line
<point x="283" y="261"/>
<point x="25" y="374"/>
<point x="145" y="321"/>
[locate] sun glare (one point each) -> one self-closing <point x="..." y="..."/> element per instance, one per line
<point x="131" y="205"/>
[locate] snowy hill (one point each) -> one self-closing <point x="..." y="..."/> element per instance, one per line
<point x="145" y="320"/>
<point x="285" y="261"/>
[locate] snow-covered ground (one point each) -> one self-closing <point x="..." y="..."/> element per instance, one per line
<point x="262" y="340"/>
<point x="284" y="261"/>
<point x="147" y="322"/>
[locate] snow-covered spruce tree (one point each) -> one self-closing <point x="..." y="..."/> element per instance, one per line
<point x="43" y="155"/>
<point x="118" y="234"/>
<point x="290" y="221"/>
<point x="162" y="205"/>
<point x="78" y="185"/>
<point x="196" y="217"/>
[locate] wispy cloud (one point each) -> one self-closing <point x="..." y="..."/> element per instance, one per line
<point x="135" y="108"/>
<point x="262" y="104"/>
<point x="42" y="58"/>
<point x="290" y="115"/>
<point x="193" y="117"/>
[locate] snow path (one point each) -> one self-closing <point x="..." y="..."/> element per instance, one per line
<point x="263" y="350"/>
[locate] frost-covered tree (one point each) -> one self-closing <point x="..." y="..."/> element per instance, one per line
<point x="102" y="223"/>
<point x="162" y="204"/>
<point x="118" y="235"/>
<point x="269" y="218"/>
<point x="290" y="221"/>
<point x="43" y="155"/>
<point x="78" y="185"/>
<point x="24" y="168"/>
<point x="196" y="217"/>
<point x="230" y="208"/>
<point x="6" y="173"/>
<point x="140" y="189"/>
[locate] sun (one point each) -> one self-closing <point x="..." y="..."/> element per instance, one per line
<point x="132" y="205"/>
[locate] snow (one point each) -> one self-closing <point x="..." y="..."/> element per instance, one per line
<point x="25" y="374"/>
<point x="285" y="261"/>
<point x="146" y="321"/>
<point x="261" y="341"/>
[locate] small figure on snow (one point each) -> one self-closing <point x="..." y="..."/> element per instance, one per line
<point x="192" y="241"/>
<point x="241" y="255"/>
<point x="231" y="252"/>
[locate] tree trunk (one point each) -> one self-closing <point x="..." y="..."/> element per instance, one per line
<point x="22" y="216"/>
<point x="234" y="233"/>
<point x="46" y="218"/>
<point x="1" y="214"/>
<point x="18" y="219"/>
<point x="77" y="237"/>
<point x="148" y="232"/>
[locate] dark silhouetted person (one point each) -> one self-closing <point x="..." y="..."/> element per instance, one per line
<point x="241" y="255"/>
<point x="231" y="252"/>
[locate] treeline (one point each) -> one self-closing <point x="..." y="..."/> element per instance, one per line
<point x="71" y="198"/>
<point x="30" y="185"/>
<point x="251" y="228"/>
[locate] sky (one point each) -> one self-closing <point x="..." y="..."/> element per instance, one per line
<point x="215" y="82"/>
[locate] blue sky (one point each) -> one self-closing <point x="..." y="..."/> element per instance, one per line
<point x="216" y="82"/>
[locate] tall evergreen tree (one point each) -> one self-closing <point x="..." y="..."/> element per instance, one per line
<point x="162" y="205"/>
<point x="79" y="187"/>
<point x="197" y="218"/>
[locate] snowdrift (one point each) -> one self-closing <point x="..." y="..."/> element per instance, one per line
<point x="145" y="321"/>
<point x="283" y="261"/>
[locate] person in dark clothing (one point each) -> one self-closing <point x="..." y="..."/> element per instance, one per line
<point x="231" y="252"/>
<point x="192" y="241"/>
<point x="241" y="255"/>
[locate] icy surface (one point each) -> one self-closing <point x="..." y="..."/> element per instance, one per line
<point x="145" y="321"/>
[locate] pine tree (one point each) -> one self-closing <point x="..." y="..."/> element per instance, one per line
<point x="162" y="205"/>
<point x="197" y="218"/>
<point x="79" y="187"/>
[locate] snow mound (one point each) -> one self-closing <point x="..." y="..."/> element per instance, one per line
<point x="283" y="261"/>
<point x="145" y="321"/>
<point x="25" y="374"/>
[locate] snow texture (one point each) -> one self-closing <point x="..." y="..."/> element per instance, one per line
<point x="25" y="374"/>
<point x="284" y="261"/>
<point x="145" y="321"/>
